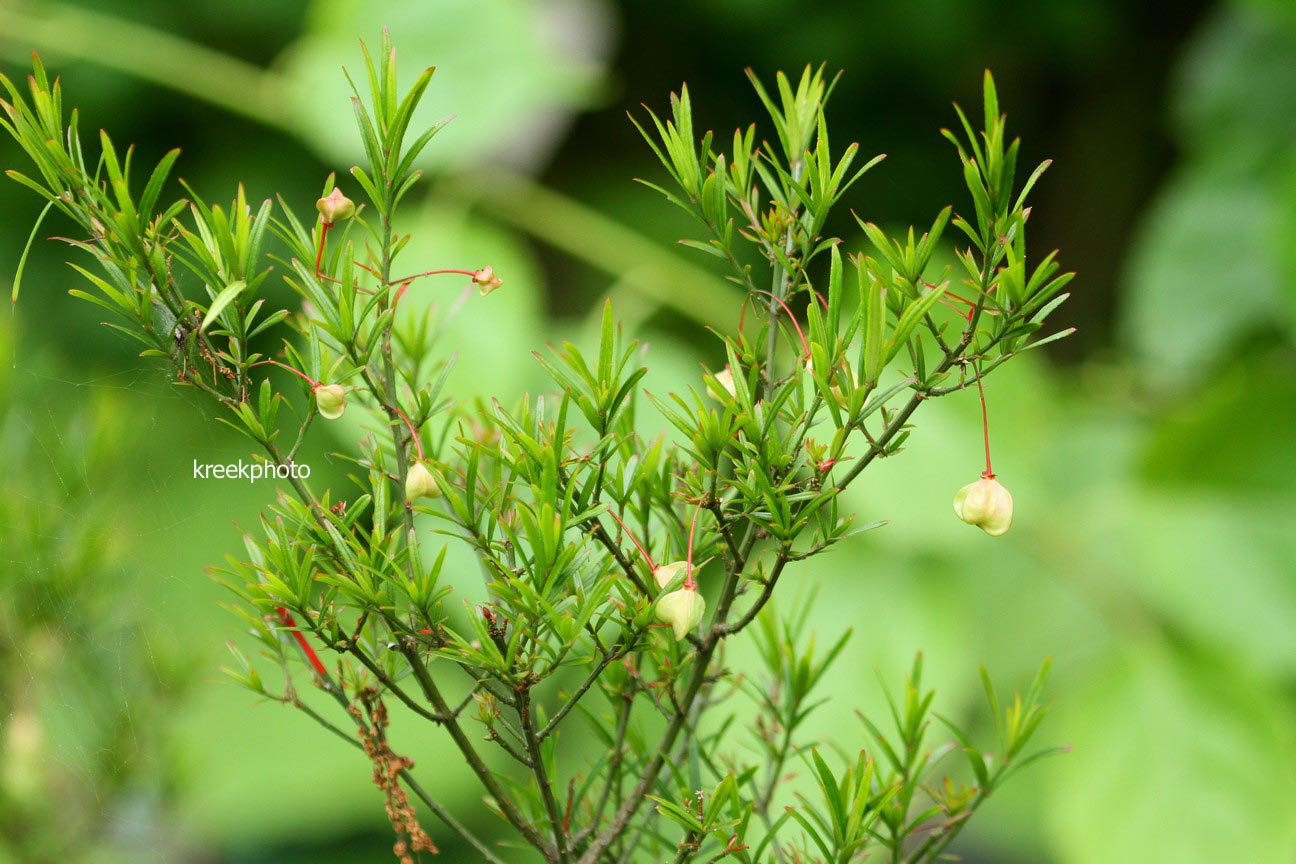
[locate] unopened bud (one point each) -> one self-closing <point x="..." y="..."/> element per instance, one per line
<point x="682" y="610"/>
<point x="331" y="400"/>
<point x="335" y="207"/>
<point x="985" y="504"/>
<point x="487" y="707"/>
<point x="419" y="483"/>
<point x="486" y="280"/>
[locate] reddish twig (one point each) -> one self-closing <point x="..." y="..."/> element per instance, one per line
<point x="633" y="539"/>
<point x="319" y="255"/>
<point x="418" y="444"/>
<point x="985" y="427"/>
<point x="315" y="385"/>
<point x="689" y="581"/>
<point x="805" y="346"/>
<point x="305" y="646"/>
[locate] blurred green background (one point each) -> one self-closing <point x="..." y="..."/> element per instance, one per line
<point x="1151" y="455"/>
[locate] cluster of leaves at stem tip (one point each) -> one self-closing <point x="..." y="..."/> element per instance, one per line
<point x="606" y="570"/>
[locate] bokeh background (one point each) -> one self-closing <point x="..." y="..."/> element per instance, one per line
<point x="1151" y="455"/>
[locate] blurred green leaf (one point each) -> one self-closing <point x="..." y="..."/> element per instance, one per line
<point x="1236" y="95"/>
<point x="1219" y="572"/>
<point x="1228" y="437"/>
<point x="1204" y="274"/>
<point x="509" y="69"/>
<point x="1175" y="760"/>
<point x="1211" y="265"/>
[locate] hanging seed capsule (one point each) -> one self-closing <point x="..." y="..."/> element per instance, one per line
<point x="666" y="573"/>
<point x="682" y="610"/>
<point x="985" y="504"/>
<point x="420" y="483"/>
<point x="486" y="280"/>
<point x="331" y="400"/>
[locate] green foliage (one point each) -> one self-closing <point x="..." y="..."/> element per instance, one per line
<point x="1185" y="712"/>
<point x="1213" y="264"/>
<point x="561" y="502"/>
<point x="1157" y="714"/>
<point x="74" y="757"/>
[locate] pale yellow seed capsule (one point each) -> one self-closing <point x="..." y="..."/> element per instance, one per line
<point x="419" y="483"/>
<point x="486" y="280"/>
<point x="682" y="610"/>
<point x="331" y="400"/>
<point x="985" y="504"/>
<point x="666" y="573"/>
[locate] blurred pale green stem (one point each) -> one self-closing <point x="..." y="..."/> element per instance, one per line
<point x="591" y="237"/>
<point x="66" y="31"/>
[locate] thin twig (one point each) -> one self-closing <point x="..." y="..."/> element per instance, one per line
<point x="470" y="754"/>
<point x="446" y="817"/>
<point x="545" y="783"/>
